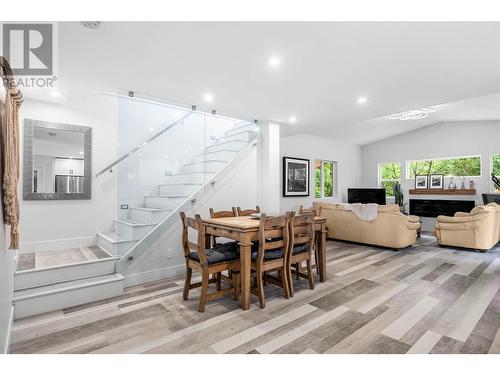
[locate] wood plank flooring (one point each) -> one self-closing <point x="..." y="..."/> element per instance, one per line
<point x="424" y="299"/>
<point x="51" y="258"/>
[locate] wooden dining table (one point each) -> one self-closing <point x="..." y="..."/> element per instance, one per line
<point x="244" y="230"/>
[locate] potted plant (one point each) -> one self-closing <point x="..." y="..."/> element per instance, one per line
<point x="399" y="197"/>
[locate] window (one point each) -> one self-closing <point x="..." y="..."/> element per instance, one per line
<point x="389" y="174"/>
<point x="324" y="172"/>
<point x="466" y="166"/>
<point x="495" y="169"/>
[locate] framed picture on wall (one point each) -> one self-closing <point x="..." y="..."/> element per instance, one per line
<point x="421" y="182"/>
<point x="295" y="177"/>
<point x="436" y="181"/>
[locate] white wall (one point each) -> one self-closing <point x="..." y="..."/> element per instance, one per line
<point x="46" y="225"/>
<point x="238" y="188"/>
<point x="436" y="141"/>
<point x="7" y="264"/>
<point x="305" y="146"/>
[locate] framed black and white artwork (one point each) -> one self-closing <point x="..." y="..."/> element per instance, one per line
<point x="295" y="177"/>
<point x="421" y="182"/>
<point x="436" y="181"/>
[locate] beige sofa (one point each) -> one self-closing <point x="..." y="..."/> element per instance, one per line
<point x="479" y="229"/>
<point x="390" y="229"/>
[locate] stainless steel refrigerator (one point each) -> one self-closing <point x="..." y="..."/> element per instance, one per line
<point x="69" y="184"/>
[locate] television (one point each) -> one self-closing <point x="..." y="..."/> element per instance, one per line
<point x="366" y="195"/>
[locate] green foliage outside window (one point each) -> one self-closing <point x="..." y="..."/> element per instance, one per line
<point x="496" y="165"/>
<point x="467" y="166"/>
<point x="389" y="176"/>
<point x="326" y="190"/>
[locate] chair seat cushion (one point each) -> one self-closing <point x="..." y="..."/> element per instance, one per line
<point x="300" y="248"/>
<point x="220" y="254"/>
<point x="269" y="254"/>
<point x="228" y="246"/>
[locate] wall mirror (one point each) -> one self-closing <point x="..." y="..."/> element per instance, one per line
<point x="57" y="161"/>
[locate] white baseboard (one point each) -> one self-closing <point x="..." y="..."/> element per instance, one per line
<point x="60" y="244"/>
<point x="153" y="275"/>
<point x="8" y="336"/>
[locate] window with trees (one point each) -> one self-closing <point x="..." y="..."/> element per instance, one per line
<point x="389" y="174"/>
<point x="324" y="172"/>
<point x="496" y="165"/>
<point x="467" y="166"/>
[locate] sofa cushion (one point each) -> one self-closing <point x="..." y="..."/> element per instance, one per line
<point x="220" y="254"/>
<point x="388" y="208"/>
<point x="482" y="210"/>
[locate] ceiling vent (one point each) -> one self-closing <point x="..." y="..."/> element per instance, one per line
<point x="91" y="24"/>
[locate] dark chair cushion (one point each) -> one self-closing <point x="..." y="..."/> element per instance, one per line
<point x="269" y="254"/>
<point x="228" y="246"/>
<point x="300" y="248"/>
<point x="220" y="254"/>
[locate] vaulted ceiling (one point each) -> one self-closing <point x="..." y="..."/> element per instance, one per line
<point x="325" y="68"/>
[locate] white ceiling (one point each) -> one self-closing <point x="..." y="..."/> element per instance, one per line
<point x="325" y="67"/>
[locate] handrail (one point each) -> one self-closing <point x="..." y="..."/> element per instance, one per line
<point x="137" y="148"/>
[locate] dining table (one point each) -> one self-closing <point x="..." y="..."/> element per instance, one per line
<point x="244" y="230"/>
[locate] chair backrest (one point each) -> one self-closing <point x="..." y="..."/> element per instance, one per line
<point x="219" y="214"/>
<point x="249" y="211"/>
<point x="314" y="210"/>
<point x="302" y="230"/>
<point x="196" y="224"/>
<point x="273" y="234"/>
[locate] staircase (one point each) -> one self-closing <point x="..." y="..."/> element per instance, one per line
<point x="175" y="191"/>
<point x="48" y="289"/>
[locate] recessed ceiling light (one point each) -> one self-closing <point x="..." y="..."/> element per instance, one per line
<point x="81" y="152"/>
<point x="361" y="100"/>
<point x="293" y="119"/>
<point x="151" y="129"/>
<point x="208" y="97"/>
<point x="274" y="62"/>
<point x="55" y="94"/>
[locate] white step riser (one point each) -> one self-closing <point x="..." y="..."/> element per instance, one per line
<point x="208" y="166"/>
<point x="243" y="136"/>
<point x="178" y="189"/>
<point x="249" y="127"/>
<point x="219" y="155"/>
<point x="131" y="232"/>
<point x="50" y="302"/>
<point x="163" y="202"/>
<point x="189" y="178"/>
<point x="147" y="217"/>
<point x="233" y="145"/>
<point x="116" y="248"/>
<point x="31" y="279"/>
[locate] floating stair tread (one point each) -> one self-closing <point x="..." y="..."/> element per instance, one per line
<point x="189" y="172"/>
<point x="242" y="126"/>
<point x="132" y="223"/>
<point x="66" y="286"/>
<point x="206" y="161"/>
<point x="114" y="237"/>
<point x="215" y="152"/>
<point x="151" y="209"/>
<point x="181" y="183"/>
<point x="226" y="142"/>
<point x="166" y="196"/>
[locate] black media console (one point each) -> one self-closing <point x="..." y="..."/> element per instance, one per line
<point x="436" y="207"/>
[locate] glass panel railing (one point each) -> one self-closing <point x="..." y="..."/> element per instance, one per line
<point x="167" y="154"/>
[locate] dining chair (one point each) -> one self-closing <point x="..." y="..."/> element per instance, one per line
<point x="248" y="212"/>
<point x="219" y="214"/>
<point x="207" y="262"/>
<point x="316" y="212"/>
<point x="271" y="255"/>
<point x="301" y="245"/>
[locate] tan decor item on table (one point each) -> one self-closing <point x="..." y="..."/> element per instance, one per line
<point x="10" y="151"/>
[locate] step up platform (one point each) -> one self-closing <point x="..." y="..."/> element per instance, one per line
<point x="47" y="298"/>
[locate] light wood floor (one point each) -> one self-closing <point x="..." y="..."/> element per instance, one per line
<point x="424" y="299"/>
